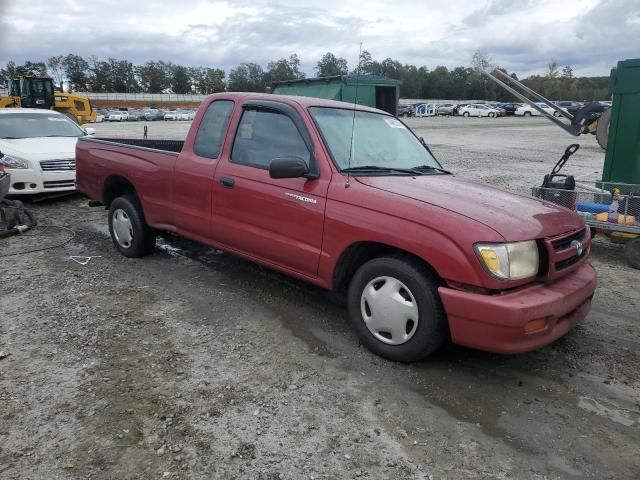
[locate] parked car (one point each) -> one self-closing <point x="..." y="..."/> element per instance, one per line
<point x="527" y="110"/>
<point x="99" y="118"/>
<point x="445" y="109"/>
<point x="171" y="115"/>
<point x="422" y="255"/>
<point x="152" y="115"/>
<point x="568" y="106"/>
<point x="509" y="108"/>
<point x="404" y="111"/>
<point x="184" y="115"/>
<point x="117" y="116"/>
<point x="134" y="115"/>
<point x="39" y="148"/>
<point x="478" y="110"/>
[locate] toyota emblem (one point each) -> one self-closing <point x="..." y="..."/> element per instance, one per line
<point x="578" y="246"/>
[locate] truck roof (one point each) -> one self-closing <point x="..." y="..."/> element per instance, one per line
<point x="304" y="102"/>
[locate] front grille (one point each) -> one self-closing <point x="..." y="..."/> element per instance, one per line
<point x="58" y="165"/>
<point x="569" y="261"/>
<point x="59" y="184"/>
<point x="562" y="252"/>
<point x="564" y="243"/>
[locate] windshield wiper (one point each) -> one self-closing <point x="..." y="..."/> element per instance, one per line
<point x="376" y="168"/>
<point x="421" y="168"/>
<point x="11" y="138"/>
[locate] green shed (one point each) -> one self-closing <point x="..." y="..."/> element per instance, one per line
<point x="371" y="90"/>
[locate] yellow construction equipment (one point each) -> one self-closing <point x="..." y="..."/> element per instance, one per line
<point x="38" y="92"/>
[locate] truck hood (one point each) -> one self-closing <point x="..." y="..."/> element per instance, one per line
<point x="45" y="148"/>
<point x="514" y="217"/>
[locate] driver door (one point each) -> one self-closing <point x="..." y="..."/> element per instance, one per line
<point x="278" y="221"/>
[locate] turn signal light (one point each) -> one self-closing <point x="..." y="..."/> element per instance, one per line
<point x="535" y="325"/>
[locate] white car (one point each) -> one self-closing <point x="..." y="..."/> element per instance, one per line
<point x="183" y="115"/>
<point x="39" y="148"/>
<point x="171" y="115"/>
<point x="528" y="111"/>
<point x="118" y="116"/>
<point x="478" y="110"/>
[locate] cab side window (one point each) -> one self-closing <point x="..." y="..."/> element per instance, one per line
<point x="212" y="129"/>
<point x="264" y="135"/>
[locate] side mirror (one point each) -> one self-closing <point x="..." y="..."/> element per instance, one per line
<point x="288" y="167"/>
<point x="89" y="131"/>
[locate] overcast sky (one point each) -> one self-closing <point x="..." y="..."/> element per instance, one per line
<point x="520" y="35"/>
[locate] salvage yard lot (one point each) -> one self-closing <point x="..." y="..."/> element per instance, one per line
<point x="191" y="363"/>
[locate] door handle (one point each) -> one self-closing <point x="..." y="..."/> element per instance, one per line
<point x="227" y="182"/>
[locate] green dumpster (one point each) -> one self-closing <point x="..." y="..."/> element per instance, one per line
<point x="371" y="90"/>
<point x="622" y="160"/>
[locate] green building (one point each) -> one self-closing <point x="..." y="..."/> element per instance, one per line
<point x="371" y="90"/>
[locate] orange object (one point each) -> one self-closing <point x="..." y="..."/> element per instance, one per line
<point x="626" y="219"/>
<point x="535" y="325"/>
<point x="602" y="217"/>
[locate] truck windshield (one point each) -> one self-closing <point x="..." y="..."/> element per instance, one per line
<point x="379" y="141"/>
<point x="34" y="125"/>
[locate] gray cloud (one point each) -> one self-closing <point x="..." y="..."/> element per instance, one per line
<point x="521" y="35"/>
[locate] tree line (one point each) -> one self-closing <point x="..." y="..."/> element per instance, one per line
<point x="92" y="74"/>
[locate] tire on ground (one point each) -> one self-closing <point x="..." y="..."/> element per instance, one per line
<point x="432" y="329"/>
<point x="143" y="237"/>
<point x="632" y="252"/>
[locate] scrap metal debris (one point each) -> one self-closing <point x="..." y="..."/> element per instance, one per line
<point x="83" y="260"/>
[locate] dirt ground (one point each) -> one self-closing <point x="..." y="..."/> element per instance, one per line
<point x="191" y="363"/>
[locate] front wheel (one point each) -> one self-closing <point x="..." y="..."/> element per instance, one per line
<point x="395" y="309"/>
<point x="632" y="252"/>
<point x="466" y="114"/>
<point x="129" y="231"/>
<point x="526" y="114"/>
<point x="491" y="114"/>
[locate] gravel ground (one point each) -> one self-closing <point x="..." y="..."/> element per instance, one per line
<point x="191" y="363"/>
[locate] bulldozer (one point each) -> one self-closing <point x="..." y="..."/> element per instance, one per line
<point x="38" y="92"/>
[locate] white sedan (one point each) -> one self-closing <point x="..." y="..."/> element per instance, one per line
<point x="39" y="148"/>
<point x="478" y="110"/>
<point x="528" y="110"/>
<point x="118" y="116"/>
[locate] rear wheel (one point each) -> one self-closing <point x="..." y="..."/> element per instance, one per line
<point x="129" y="231"/>
<point x="527" y="114"/>
<point x="632" y="252"/>
<point x="466" y="114"/>
<point x="395" y="309"/>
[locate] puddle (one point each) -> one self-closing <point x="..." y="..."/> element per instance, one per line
<point x="609" y="411"/>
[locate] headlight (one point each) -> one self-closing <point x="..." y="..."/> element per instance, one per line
<point x="12" y="162"/>
<point x="510" y="261"/>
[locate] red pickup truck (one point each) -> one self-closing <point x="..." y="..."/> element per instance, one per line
<point x="348" y="198"/>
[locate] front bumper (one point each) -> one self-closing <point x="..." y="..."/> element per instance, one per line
<point x="31" y="182"/>
<point x="496" y="323"/>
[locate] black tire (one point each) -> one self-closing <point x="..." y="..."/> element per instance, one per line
<point x="632" y="252"/>
<point x="143" y="237"/>
<point x="491" y="114"/>
<point x="526" y="114"/>
<point x="466" y="114"/>
<point x="431" y="330"/>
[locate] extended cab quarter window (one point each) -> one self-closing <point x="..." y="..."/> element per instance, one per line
<point x="264" y="135"/>
<point x="212" y="129"/>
